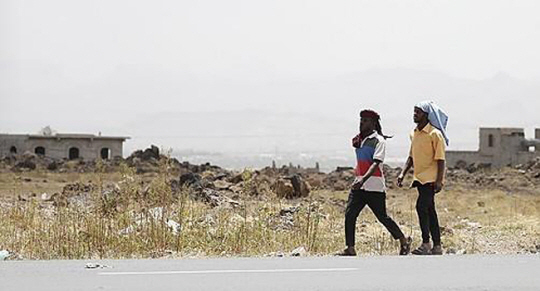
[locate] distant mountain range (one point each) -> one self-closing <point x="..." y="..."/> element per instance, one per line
<point x="258" y="113"/>
<point x="319" y="116"/>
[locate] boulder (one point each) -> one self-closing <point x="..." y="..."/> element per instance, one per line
<point x="283" y="188"/>
<point x="300" y="186"/>
<point x="27" y="163"/>
<point x="291" y="187"/>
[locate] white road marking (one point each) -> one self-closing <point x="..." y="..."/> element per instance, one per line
<point x="229" y="271"/>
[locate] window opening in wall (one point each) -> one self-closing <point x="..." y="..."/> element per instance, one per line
<point x="105" y="153"/>
<point x="490" y="140"/>
<point x="532" y="149"/>
<point x="13" y="150"/>
<point x="39" y="151"/>
<point x="73" y="153"/>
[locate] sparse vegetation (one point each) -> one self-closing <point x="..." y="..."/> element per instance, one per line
<point x="130" y="215"/>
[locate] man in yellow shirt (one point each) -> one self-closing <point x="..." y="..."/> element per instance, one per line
<point x="427" y="156"/>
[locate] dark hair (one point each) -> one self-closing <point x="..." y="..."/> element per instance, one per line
<point x="378" y="128"/>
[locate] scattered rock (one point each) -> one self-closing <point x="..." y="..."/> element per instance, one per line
<point x="27" y="164"/>
<point x="161" y="254"/>
<point x="52" y="166"/>
<point x="445" y="230"/>
<point x="222" y="185"/>
<point x="190" y="179"/>
<point x="215" y="198"/>
<point x="289" y="210"/>
<point x="47" y="197"/>
<point x="237" y="179"/>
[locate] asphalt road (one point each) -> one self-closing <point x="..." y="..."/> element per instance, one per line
<point x="468" y="272"/>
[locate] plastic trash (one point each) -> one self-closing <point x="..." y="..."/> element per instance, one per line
<point x="174" y="226"/>
<point x="4" y="255"/>
<point x="96" y="266"/>
<point x="298" y="252"/>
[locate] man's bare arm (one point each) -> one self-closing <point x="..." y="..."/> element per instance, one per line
<point x="440" y="175"/>
<point x="358" y="183"/>
<point x="406" y="168"/>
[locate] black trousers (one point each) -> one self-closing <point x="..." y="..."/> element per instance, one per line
<point x="427" y="215"/>
<point x="377" y="202"/>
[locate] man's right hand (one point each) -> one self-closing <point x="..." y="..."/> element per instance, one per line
<point x="357" y="184"/>
<point x="400" y="180"/>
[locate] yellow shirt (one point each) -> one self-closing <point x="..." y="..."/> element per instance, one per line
<point x="427" y="146"/>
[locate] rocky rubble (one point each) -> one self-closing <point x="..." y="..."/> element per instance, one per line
<point x="218" y="186"/>
<point x="524" y="177"/>
<point x="71" y="194"/>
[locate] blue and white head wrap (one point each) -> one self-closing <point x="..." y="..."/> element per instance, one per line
<point x="436" y="116"/>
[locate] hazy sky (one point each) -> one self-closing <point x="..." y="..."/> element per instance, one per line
<point x="470" y="39"/>
<point x="111" y="65"/>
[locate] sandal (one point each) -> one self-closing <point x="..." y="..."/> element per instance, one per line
<point x="422" y="250"/>
<point x="346" y="252"/>
<point x="406" y="247"/>
<point x="437" y="250"/>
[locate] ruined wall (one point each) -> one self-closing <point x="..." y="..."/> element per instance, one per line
<point x="499" y="147"/>
<point x="116" y="147"/>
<point x="489" y="141"/>
<point x="525" y="157"/>
<point x="454" y="157"/>
<point x="88" y="149"/>
<point x="537" y="136"/>
<point x="58" y="148"/>
<point x="12" y="140"/>
<point x="512" y="143"/>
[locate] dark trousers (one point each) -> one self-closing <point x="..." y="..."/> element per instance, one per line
<point x="427" y="215"/>
<point x="377" y="202"/>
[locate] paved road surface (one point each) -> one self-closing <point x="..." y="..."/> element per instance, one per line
<point x="470" y="272"/>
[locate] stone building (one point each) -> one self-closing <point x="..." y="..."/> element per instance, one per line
<point x="63" y="146"/>
<point x="499" y="147"/>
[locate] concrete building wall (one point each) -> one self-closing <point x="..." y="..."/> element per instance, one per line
<point x="512" y="143"/>
<point x="8" y="141"/>
<point x="88" y="149"/>
<point x="537" y="137"/>
<point x="499" y="147"/>
<point x="489" y="141"/>
<point x="525" y="157"/>
<point x="59" y="148"/>
<point x="454" y="157"/>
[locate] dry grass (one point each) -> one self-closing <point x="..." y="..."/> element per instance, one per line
<point x="136" y="221"/>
